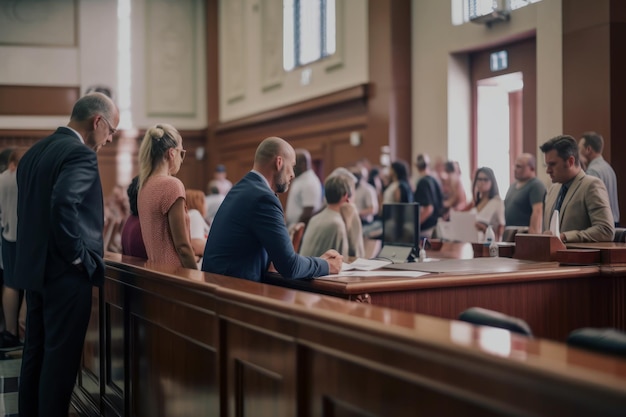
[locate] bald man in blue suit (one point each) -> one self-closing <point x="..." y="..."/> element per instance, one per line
<point x="249" y="229"/>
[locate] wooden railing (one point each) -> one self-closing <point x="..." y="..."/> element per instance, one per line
<point x="177" y="342"/>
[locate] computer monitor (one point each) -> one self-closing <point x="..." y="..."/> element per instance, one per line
<point x="401" y="231"/>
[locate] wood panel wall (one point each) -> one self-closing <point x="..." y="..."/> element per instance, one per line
<point x="321" y="125"/>
<point x="175" y="342"/>
<point x="593" y="77"/>
<point x="18" y="100"/>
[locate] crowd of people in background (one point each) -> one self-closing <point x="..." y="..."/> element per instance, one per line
<point x="345" y="210"/>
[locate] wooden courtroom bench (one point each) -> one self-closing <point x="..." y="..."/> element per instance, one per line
<point x="177" y="342"/>
<point x="553" y="299"/>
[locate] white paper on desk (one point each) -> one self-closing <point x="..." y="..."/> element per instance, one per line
<point x="460" y="228"/>
<point x="554" y="224"/>
<point x="381" y="274"/>
<point x="362" y="264"/>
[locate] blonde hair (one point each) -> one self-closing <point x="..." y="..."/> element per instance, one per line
<point x="155" y="144"/>
<point x="195" y="200"/>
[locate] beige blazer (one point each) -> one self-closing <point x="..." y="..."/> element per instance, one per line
<point x="585" y="214"/>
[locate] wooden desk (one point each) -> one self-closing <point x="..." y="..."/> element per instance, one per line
<point x="173" y="342"/>
<point x="452" y="250"/>
<point x="553" y="299"/>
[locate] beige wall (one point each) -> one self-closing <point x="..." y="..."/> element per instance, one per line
<point x="252" y="79"/>
<point x="172" y="33"/>
<point x="441" y="88"/>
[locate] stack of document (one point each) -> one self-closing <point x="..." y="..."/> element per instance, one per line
<point x="362" y="268"/>
<point x="361" y="264"/>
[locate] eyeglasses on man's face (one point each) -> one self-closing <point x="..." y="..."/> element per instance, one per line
<point x="112" y="131"/>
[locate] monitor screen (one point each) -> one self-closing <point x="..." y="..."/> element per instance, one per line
<point x="401" y="224"/>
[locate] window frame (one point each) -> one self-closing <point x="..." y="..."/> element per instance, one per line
<point x="324" y="55"/>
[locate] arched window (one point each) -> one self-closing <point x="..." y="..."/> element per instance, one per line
<point x="309" y="31"/>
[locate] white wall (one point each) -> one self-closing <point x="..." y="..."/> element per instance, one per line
<point x="441" y="87"/>
<point x="171" y="90"/>
<point x="252" y="79"/>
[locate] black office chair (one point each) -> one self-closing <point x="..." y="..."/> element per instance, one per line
<point x="610" y="341"/>
<point x="484" y="317"/>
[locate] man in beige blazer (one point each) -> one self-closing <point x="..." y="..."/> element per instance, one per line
<point x="582" y="200"/>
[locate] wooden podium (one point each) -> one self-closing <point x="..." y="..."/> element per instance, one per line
<point x="550" y="248"/>
<point x="537" y="247"/>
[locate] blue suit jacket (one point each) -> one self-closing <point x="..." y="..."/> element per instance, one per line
<point x="60" y="211"/>
<point x="249" y="230"/>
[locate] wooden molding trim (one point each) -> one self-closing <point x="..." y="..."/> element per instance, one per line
<point x="24" y="133"/>
<point x="291" y="131"/>
<point x="359" y="92"/>
<point x="26" y="100"/>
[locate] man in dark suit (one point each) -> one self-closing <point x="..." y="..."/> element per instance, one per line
<point x="249" y="229"/>
<point x="581" y="200"/>
<point x="59" y="251"/>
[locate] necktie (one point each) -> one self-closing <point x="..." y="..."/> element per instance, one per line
<point x="560" y="198"/>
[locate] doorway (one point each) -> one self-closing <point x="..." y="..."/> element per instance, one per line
<point x="504" y="119"/>
<point x="499" y="126"/>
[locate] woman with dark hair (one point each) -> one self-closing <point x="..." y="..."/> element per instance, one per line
<point x="398" y="190"/>
<point x="132" y="241"/>
<point x="487" y="202"/>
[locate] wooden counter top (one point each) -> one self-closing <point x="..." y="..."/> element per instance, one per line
<point x="205" y="344"/>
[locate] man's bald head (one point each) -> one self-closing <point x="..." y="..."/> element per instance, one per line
<point x="94" y="104"/>
<point x="529" y="159"/>
<point x="275" y="160"/>
<point x="269" y="149"/>
<point x="303" y="161"/>
<point x="525" y="167"/>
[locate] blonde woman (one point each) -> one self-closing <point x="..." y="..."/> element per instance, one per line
<point x="161" y="200"/>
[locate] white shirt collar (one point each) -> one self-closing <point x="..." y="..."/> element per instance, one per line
<point x="264" y="179"/>
<point x="77" y="134"/>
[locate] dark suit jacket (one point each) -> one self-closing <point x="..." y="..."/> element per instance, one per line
<point x="249" y="230"/>
<point x="585" y="214"/>
<point x="60" y="211"/>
